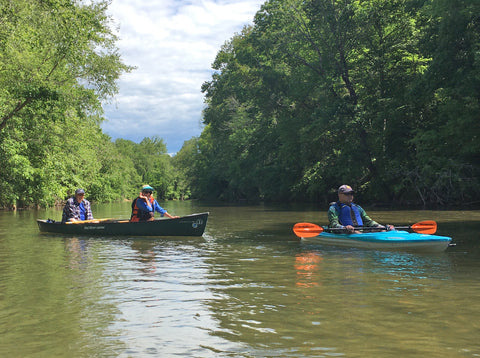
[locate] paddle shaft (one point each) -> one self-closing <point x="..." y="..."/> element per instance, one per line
<point x="366" y="228"/>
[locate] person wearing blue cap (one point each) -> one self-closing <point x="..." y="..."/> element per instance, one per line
<point x="144" y="206"/>
<point x="77" y="208"/>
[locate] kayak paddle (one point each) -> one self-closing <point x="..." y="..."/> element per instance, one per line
<point x="311" y="230"/>
<point x="307" y="230"/>
<point x="428" y="227"/>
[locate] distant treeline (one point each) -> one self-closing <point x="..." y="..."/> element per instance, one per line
<point x="381" y="95"/>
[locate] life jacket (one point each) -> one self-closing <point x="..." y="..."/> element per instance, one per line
<point x="140" y="215"/>
<point x="348" y="214"/>
<point x="83" y="211"/>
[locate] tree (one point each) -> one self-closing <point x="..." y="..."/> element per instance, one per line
<point x="58" y="61"/>
<point x="56" y="52"/>
<point x="186" y="167"/>
<point x="447" y="97"/>
<point x="152" y="165"/>
<point x="319" y="93"/>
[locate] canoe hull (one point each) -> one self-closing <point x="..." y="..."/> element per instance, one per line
<point x="389" y="240"/>
<point x="190" y="225"/>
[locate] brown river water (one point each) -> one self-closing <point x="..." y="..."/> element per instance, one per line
<point x="248" y="288"/>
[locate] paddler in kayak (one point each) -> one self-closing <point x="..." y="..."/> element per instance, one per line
<point x="345" y="214"/>
<point x="144" y="206"/>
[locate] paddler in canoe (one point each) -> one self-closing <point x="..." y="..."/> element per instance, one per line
<point x="347" y="215"/>
<point x="77" y="208"/>
<point x="144" y="206"/>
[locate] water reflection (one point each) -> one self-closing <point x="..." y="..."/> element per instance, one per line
<point x="77" y="253"/>
<point x="51" y="294"/>
<point x="248" y="288"/>
<point x="307" y="265"/>
<point x="330" y="301"/>
<point x="145" y="254"/>
<point x="418" y="266"/>
<point x="259" y="302"/>
<point x="159" y="289"/>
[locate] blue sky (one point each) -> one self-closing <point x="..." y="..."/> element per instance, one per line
<point x="172" y="44"/>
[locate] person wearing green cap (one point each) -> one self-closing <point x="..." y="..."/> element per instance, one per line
<point x="144" y="206"/>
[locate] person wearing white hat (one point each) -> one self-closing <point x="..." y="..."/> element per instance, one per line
<point x="144" y="206"/>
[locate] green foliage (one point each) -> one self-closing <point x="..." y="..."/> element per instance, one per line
<point x="153" y="165"/>
<point x="383" y="95"/>
<point x="186" y="167"/>
<point x="58" y="61"/>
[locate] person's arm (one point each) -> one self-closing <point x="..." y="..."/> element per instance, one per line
<point x="334" y="221"/>
<point x="143" y="205"/>
<point x="333" y="218"/>
<point x="162" y="211"/>
<point x="145" y="208"/>
<point x="68" y="212"/>
<point x="65" y="214"/>
<point x="158" y="208"/>
<point x="88" y="210"/>
<point x="367" y="221"/>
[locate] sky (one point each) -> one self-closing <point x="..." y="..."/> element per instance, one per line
<point x="173" y="44"/>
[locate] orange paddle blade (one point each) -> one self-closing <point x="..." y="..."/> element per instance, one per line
<point x="425" y="227"/>
<point x="307" y="230"/>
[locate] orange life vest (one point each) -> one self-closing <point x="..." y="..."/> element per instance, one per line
<point x="140" y="215"/>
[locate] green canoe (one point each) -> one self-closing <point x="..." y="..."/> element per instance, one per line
<point x="189" y="225"/>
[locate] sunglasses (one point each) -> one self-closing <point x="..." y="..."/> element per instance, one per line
<point x="148" y="191"/>
<point x="349" y="194"/>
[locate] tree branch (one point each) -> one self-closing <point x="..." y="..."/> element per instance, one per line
<point x="18" y="108"/>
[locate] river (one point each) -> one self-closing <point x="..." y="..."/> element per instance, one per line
<point x="248" y="288"/>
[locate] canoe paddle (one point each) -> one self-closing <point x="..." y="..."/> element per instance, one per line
<point x="311" y="230"/>
<point x="87" y="221"/>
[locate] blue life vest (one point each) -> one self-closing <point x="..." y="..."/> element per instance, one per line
<point x="348" y="215"/>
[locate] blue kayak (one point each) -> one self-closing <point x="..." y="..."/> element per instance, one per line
<point x="387" y="240"/>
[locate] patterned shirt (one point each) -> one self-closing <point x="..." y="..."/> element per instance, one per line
<point x="333" y="217"/>
<point x="72" y="210"/>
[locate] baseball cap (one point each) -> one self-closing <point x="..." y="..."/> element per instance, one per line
<point x="345" y="189"/>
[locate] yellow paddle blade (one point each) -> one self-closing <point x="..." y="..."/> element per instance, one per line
<point x="307" y="230"/>
<point x="94" y="221"/>
<point x="425" y="227"/>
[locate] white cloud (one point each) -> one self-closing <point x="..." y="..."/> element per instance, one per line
<point x="172" y="44"/>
